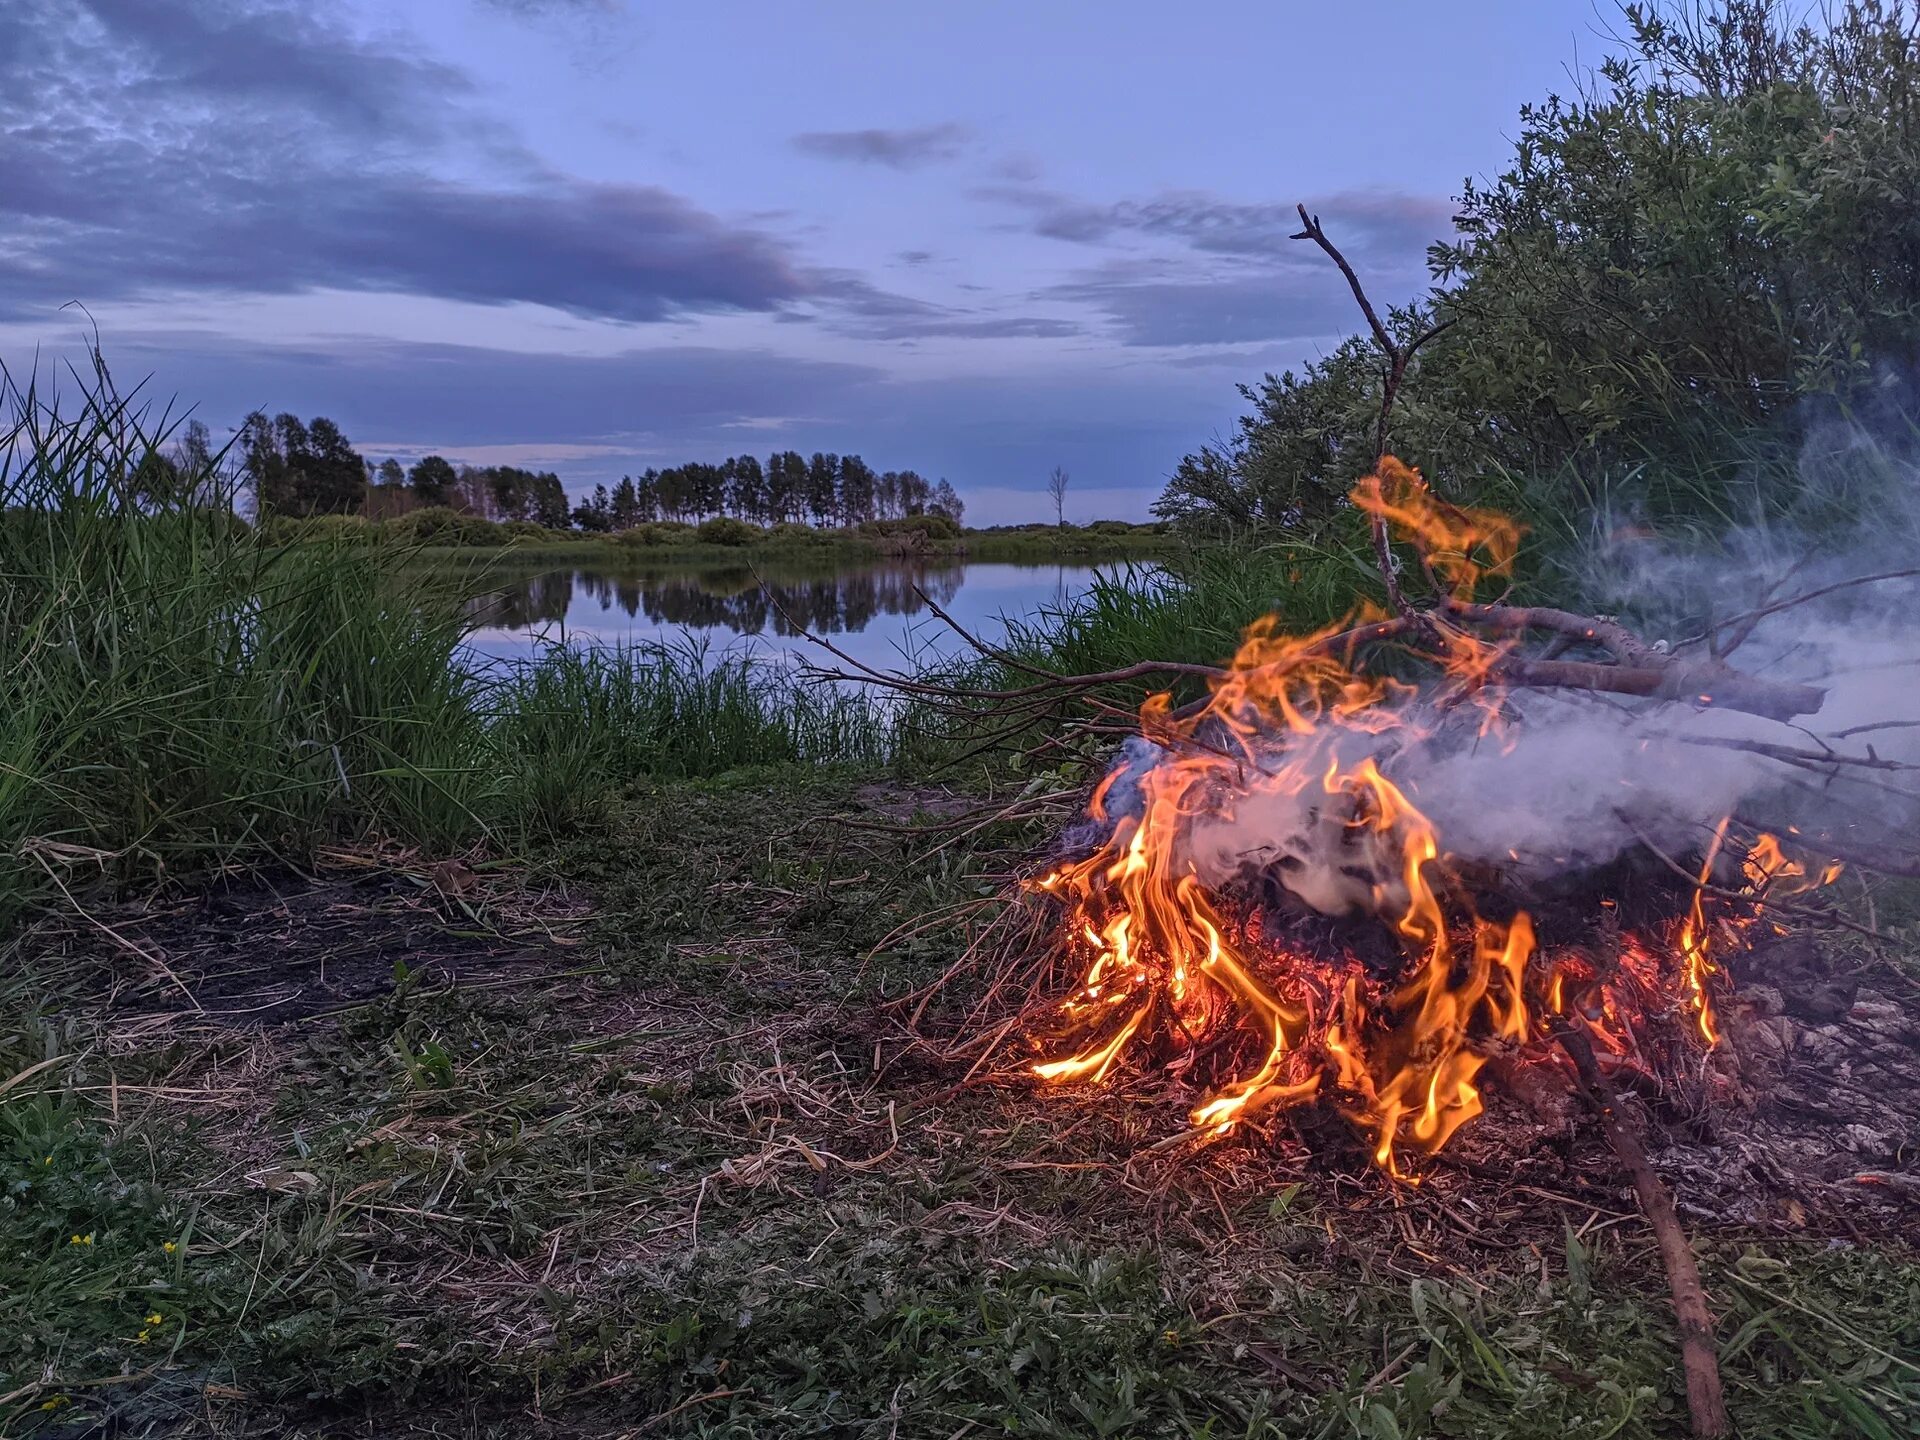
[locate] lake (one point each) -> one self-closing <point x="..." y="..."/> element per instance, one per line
<point x="876" y="613"/>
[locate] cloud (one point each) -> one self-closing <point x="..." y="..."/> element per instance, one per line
<point x="150" y="147"/>
<point x="535" y="9"/>
<point x="1190" y="269"/>
<point x="1380" y="223"/>
<point x="857" y="308"/>
<point x="896" y="149"/>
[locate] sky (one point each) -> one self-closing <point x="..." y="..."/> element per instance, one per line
<point x="975" y="240"/>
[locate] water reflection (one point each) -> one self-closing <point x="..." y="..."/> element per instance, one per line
<point x="732" y="598"/>
<point x="877" y="612"/>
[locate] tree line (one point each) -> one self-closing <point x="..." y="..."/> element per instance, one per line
<point x="305" y="468"/>
<point x="825" y="489"/>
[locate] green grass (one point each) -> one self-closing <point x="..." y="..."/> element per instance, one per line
<point x="175" y="694"/>
<point x="577" y="722"/>
<point x="472" y="1204"/>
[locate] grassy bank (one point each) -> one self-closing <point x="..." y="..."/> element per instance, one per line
<point x="718" y="541"/>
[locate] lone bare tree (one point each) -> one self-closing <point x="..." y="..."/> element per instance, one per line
<point x="1057" y="488"/>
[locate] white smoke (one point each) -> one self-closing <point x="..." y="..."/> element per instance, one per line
<point x="1579" y="779"/>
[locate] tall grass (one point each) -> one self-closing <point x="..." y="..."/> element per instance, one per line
<point x="576" y="722"/>
<point x="173" y="693"/>
<point x="177" y="693"/>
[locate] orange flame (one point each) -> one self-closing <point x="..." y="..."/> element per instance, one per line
<point x="1294" y="724"/>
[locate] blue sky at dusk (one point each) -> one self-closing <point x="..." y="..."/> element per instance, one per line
<point x="976" y="240"/>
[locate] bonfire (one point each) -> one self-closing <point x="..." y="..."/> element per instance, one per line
<point x="1448" y="843"/>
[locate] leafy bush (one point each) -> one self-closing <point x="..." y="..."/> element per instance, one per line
<point x="655" y="534"/>
<point x="441" y="525"/>
<point x="725" y="530"/>
<point x="526" y="530"/>
<point x="789" y="533"/>
<point x="932" y="527"/>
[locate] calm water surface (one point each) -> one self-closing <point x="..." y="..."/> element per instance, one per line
<point x="872" y="612"/>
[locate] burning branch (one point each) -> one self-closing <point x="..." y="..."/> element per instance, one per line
<point x="1397" y="357"/>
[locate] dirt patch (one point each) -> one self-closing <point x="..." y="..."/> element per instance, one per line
<point x="269" y="948"/>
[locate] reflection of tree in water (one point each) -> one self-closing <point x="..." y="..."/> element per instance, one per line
<point x="735" y="599"/>
<point x="527" y="601"/>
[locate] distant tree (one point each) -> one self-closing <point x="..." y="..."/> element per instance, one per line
<point x="471" y="491"/>
<point x="432" y="479"/>
<point x="334" y="472"/>
<point x="626" y="504"/>
<point x="301" y="469"/>
<point x="886" y="495"/>
<point x="747" y="490"/>
<point x="947" y="502"/>
<point x="786" y="486"/>
<point x="390" y="473"/>
<point x="674" y="493"/>
<point x="823" y="486"/>
<point x="193" y="455"/>
<point x="856" y="490"/>
<point x="549" y="501"/>
<point x="915" y="493"/>
<point x="509" y="491"/>
<point x="1057" y="488"/>
<point x="596" y="513"/>
<point x="157" y="479"/>
<point x="646" y="496"/>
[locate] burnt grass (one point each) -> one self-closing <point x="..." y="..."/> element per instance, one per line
<point x="626" y="1137"/>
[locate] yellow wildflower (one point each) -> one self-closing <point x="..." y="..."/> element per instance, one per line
<point x="168" y="1247"/>
<point x="155" y="1318"/>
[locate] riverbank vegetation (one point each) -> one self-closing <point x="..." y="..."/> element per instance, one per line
<point x="391" y="1042"/>
<point x="723" y="539"/>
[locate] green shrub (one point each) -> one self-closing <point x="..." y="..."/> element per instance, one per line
<point x="932" y="527"/>
<point x="725" y="530"/>
<point x="655" y="534"/>
<point x="526" y="530"/>
<point x="442" y="525"/>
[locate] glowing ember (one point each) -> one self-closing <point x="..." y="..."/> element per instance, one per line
<point x="1296" y="728"/>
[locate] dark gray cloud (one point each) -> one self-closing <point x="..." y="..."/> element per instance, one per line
<point x="235" y="146"/>
<point x="897" y="149"/>
<point x="1372" y="223"/>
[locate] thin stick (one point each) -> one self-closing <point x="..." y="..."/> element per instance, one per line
<point x="1705" y="1402"/>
